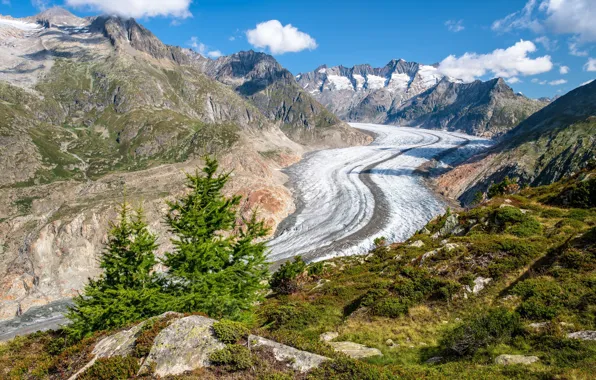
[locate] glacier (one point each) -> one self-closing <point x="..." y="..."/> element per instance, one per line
<point x="348" y="197"/>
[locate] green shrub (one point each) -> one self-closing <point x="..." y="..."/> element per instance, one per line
<point x="113" y="368"/>
<point x="233" y="357"/>
<point x="285" y="279"/>
<point x="507" y="186"/>
<point x="316" y="269"/>
<point x="348" y="369"/>
<point x="542" y="298"/>
<point x="494" y="326"/>
<point x="390" y="307"/>
<point x="528" y="227"/>
<point x="290" y="316"/>
<point x="229" y="331"/>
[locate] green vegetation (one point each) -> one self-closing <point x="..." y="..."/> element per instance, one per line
<point x="537" y="262"/>
<point x="216" y="266"/>
<point x="115" y="367"/>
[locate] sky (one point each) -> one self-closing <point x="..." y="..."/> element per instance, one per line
<point x="540" y="47"/>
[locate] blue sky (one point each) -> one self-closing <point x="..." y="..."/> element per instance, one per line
<point x="352" y="32"/>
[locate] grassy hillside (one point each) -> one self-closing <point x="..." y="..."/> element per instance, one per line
<point x="424" y="299"/>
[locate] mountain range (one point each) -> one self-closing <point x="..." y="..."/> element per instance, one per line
<point x="413" y="94"/>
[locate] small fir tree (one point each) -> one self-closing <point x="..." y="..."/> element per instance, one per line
<point x="217" y="265"/>
<point x="126" y="291"/>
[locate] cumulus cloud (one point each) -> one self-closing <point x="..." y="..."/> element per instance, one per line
<point x="137" y="8"/>
<point x="42" y="5"/>
<point x="591" y="65"/>
<point x="455" y="25"/>
<point x="279" y="39"/>
<point x="563" y="70"/>
<point x="513" y="80"/>
<point x="570" y="17"/>
<point x="557" y="82"/>
<point x="203" y="49"/>
<point x="538" y="81"/>
<point x="507" y="63"/>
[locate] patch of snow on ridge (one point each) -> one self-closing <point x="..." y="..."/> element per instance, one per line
<point x="339" y="82"/>
<point x="18" y="24"/>
<point x="322" y="71"/>
<point x="430" y="75"/>
<point x="399" y="82"/>
<point x="375" y="82"/>
<point x="359" y="81"/>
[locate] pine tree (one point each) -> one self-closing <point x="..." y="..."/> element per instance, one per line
<point x="126" y="291"/>
<point x="216" y="266"/>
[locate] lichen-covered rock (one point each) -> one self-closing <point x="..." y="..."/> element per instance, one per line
<point x="183" y="346"/>
<point x="515" y="359"/>
<point x="328" y="336"/>
<point x="355" y="350"/>
<point x="479" y="284"/>
<point x="299" y="360"/>
<point x="417" y="244"/>
<point x="583" y="335"/>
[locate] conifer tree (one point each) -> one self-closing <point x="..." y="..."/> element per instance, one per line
<point x="216" y="266"/>
<point x="126" y="291"/>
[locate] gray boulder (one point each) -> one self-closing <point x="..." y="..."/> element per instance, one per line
<point x="583" y="335"/>
<point x="328" y="336"/>
<point x="355" y="350"/>
<point x="302" y="361"/>
<point x="184" y="345"/>
<point x="515" y="359"/>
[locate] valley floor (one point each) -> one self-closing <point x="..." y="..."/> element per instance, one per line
<point x="348" y="197"/>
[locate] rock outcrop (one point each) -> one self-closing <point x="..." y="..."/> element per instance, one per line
<point x="298" y="360"/>
<point x="515" y="359"/>
<point x="355" y="350"/>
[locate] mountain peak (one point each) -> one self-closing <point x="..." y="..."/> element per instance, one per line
<point x="57" y="16"/>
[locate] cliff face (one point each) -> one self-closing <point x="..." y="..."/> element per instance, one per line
<point x="552" y="143"/>
<point x="487" y="109"/>
<point x="90" y="107"/>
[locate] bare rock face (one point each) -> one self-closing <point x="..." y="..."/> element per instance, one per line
<point x="301" y="361"/>
<point x="515" y="359"/>
<point x="355" y="350"/>
<point x="183" y="346"/>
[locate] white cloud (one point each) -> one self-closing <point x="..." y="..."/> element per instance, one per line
<point x="563" y="70"/>
<point x="547" y="43"/>
<point x="514" y="80"/>
<point x="232" y="38"/>
<point x="41" y="4"/>
<point x="574" y="49"/>
<point x="215" y="54"/>
<point x="506" y="63"/>
<point x="557" y="82"/>
<point x="137" y="8"/>
<point x="523" y="19"/>
<point x="203" y="49"/>
<point x="574" y="17"/>
<point x="455" y="25"/>
<point x="279" y="39"/>
<point x="591" y="65"/>
<point x="538" y="81"/>
<point x="587" y="82"/>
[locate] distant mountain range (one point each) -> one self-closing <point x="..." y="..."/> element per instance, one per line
<point x="413" y="94"/>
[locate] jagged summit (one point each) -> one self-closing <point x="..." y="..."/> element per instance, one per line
<point x="57" y="17"/>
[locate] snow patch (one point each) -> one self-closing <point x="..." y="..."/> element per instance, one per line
<point x="429" y="75"/>
<point x="340" y="82"/>
<point x="359" y="81"/>
<point x="322" y="71"/>
<point x="375" y="82"/>
<point x="399" y="82"/>
<point x="18" y="24"/>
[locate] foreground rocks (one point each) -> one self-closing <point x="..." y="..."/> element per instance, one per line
<point x="355" y="350"/>
<point x="186" y="344"/>
<point x="515" y="359"/>
<point x="583" y="335"/>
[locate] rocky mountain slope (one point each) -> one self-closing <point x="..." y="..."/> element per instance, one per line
<point x="487" y="109"/>
<point x="412" y="94"/>
<point x="552" y="143"/>
<point x="92" y="106"/>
